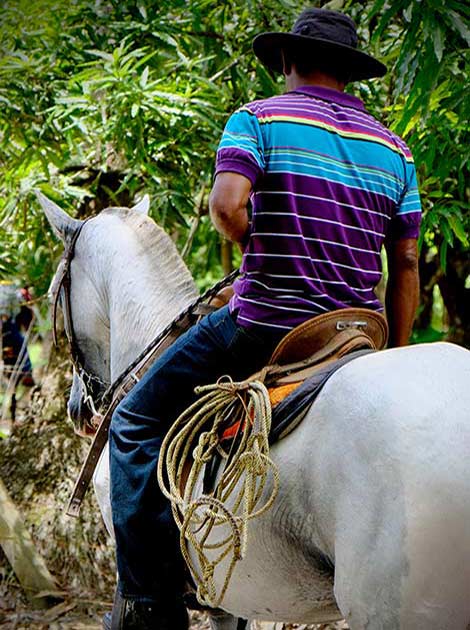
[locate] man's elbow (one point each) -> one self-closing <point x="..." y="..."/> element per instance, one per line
<point x="224" y="211"/>
<point x="221" y="210"/>
<point x="408" y="261"/>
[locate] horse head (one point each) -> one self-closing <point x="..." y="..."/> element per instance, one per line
<point x="83" y="299"/>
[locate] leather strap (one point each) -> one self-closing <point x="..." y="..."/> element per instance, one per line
<point x="205" y="309"/>
<point x="101" y="435"/>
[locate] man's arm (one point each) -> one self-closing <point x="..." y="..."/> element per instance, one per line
<point x="402" y="296"/>
<point x="227" y="204"/>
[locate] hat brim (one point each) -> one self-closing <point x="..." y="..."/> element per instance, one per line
<point x="358" y="65"/>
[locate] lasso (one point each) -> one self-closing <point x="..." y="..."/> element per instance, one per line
<point x="239" y="489"/>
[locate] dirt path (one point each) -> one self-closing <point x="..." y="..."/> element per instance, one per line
<point x="84" y="611"/>
<point x="83" y="615"/>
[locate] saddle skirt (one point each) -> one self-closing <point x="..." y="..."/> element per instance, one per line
<point x="306" y="358"/>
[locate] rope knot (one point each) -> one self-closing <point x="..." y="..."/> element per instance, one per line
<point x="208" y="573"/>
<point x="226" y="384"/>
<point x="208" y="441"/>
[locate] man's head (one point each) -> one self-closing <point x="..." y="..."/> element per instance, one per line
<point x="301" y="69"/>
<point x="322" y="42"/>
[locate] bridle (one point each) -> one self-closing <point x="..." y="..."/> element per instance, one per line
<point x="104" y="396"/>
<point x="93" y="387"/>
<point x="96" y="393"/>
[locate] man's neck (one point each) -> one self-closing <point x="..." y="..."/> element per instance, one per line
<point x="294" y="81"/>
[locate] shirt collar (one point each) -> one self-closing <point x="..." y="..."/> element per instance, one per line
<point x="333" y="96"/>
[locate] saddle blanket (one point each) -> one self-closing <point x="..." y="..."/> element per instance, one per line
<point x="290" y="411"/>
<point x="291" y="402"/>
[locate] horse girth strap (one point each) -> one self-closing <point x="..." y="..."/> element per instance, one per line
<point x="124" y="387"/>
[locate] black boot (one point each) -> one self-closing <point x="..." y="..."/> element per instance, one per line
<point x="131" y="615"/>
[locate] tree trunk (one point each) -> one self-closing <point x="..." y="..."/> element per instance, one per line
<point x="456" y="295"/>
<point x="28" y="565"/>
<point x="428" y="274"/>
<point x="226" y="252"/>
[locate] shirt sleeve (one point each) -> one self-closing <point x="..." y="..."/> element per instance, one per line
<point x="241" y="147"/>
<point x="407" y="219"/>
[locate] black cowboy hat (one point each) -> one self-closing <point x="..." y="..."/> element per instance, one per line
<point x="320" y="34"/>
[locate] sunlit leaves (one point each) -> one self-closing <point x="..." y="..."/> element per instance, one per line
<point x="429" y="68"/>
<point x="141" y="91"/>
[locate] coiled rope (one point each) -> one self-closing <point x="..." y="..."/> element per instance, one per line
<point x="215" y="525"/>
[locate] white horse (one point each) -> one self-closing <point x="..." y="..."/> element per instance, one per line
<point x="372" y="521"/>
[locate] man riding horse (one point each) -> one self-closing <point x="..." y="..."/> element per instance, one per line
<point x="15" y="315"/>
<point x="329" y="186"/>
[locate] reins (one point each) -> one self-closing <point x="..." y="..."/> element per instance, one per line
<point x="92" y="385"/>
<point x="192" y="309"/>
<point x="101" y="397"/>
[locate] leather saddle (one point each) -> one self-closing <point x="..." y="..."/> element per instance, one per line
<point x="322" y="340"/>
<point x="312" y="352"/>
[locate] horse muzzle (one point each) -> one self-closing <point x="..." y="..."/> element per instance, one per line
<point x="78" y="410"/>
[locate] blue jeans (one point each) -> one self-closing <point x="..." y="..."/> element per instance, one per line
<point x="147" y="540"/>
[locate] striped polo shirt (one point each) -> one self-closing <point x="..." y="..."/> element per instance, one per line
<point x="330" y="185"/>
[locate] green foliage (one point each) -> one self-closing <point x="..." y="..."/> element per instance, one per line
<point x="430" y="107"/>
<point x="132" y="88"/>
<point x="105" y="101"/>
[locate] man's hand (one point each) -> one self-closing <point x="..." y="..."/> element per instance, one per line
<point x="402" y="296"/>
<point x="227" y="204"/>
<point x="223" y="297"/>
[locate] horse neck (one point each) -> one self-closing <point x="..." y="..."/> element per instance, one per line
<point x="148" y="285"/>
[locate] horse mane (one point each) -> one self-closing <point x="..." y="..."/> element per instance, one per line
<point x="159" y="248"/>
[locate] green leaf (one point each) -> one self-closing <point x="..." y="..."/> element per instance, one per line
<point x="459" y="230"/>
<point x="144" y="77"/>
<point x="142" y="10"/>
<point x="446" y="231"/>
<point x="438" y="42"/>
<point x="460" y="26"/>
<point x="101" y="54"/>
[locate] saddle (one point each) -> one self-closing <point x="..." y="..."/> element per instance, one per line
<point x="312" y="352"/>
<point x="332" y="334"/>
<point x="317" y="345"/>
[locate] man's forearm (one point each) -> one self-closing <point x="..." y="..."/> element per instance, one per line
<point x="227" y="205"/>
<point x="402" y="299"/>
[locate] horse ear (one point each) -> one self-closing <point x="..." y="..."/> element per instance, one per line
<point x="63" y="225"/>
<point x="143" y="205"/>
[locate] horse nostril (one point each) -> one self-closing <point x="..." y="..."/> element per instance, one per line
<point x="78" y="412"/>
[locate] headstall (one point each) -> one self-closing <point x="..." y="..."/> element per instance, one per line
<point x="97" y="393"/>
<point x="93" y="388"/>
